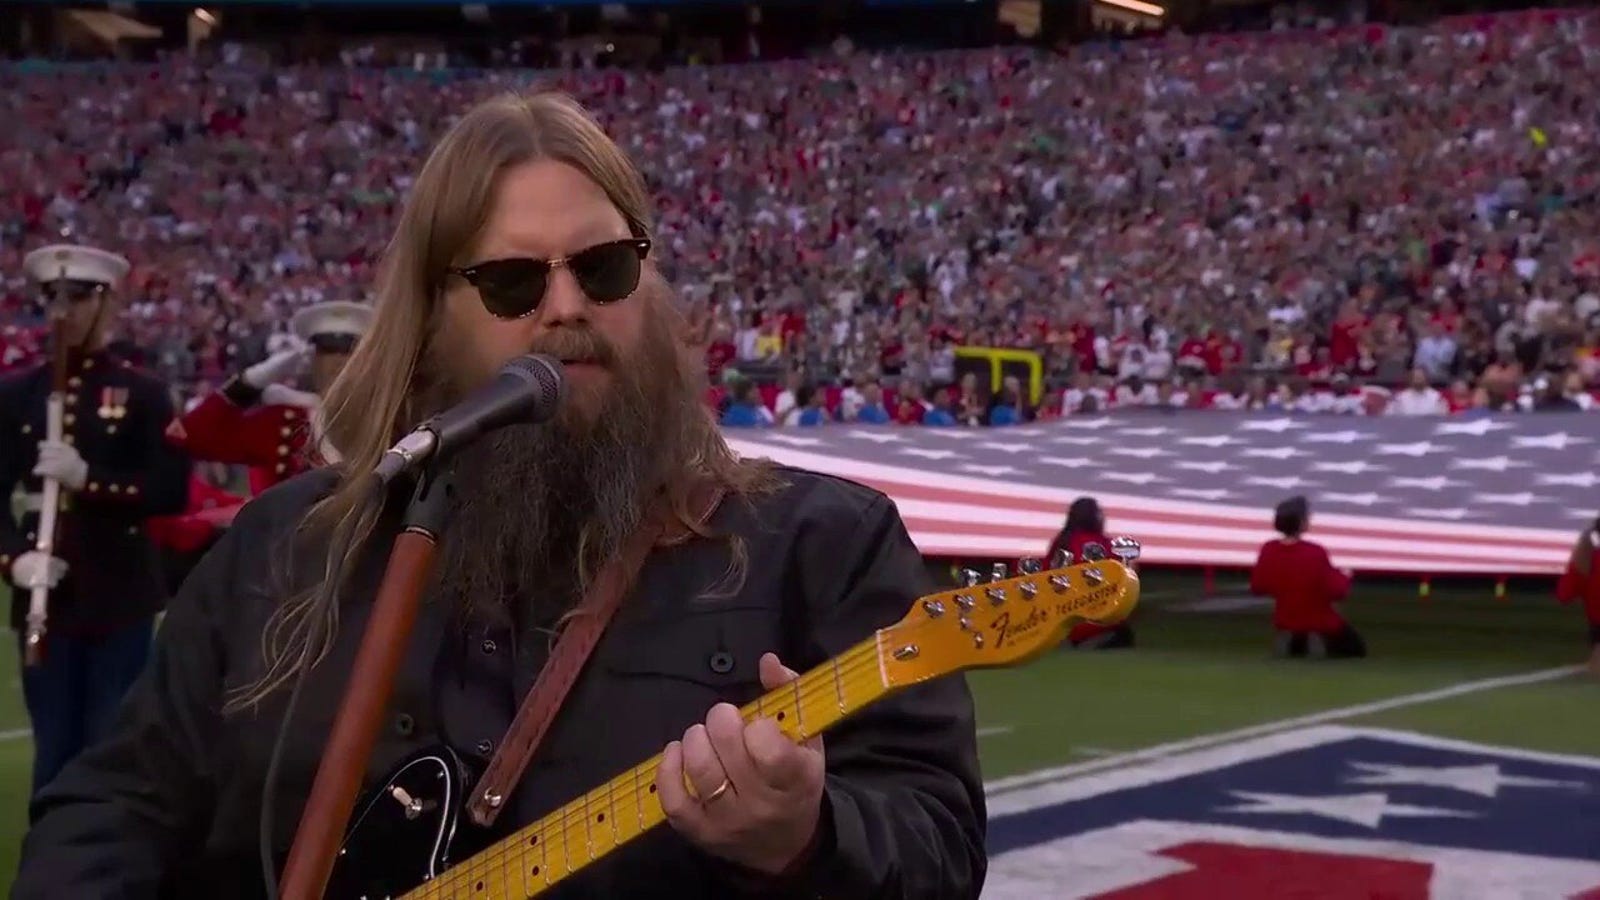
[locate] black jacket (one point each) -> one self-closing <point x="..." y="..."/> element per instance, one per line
<point x="115" y="416"/>
<point x="168" y="806"/>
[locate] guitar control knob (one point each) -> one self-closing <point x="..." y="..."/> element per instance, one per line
<point x="1061" y="558"/>
<point x="1030" y="565"/>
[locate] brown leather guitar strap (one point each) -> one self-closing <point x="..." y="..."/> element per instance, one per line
<point x="572" y="649"/>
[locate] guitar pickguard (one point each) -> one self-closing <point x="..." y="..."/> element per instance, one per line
<point x="402" y="834"/>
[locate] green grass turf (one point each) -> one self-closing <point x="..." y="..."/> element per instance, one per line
<point x="1199" y="673"/>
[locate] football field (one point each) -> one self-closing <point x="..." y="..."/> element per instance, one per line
<point x="1196" y="758"/>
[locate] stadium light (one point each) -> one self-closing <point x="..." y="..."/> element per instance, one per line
<point x="1138" y="6"/>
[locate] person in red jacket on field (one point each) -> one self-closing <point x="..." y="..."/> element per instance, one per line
<point x="1581" y="580"/>
<point x="1305" y="589"/>
<point x="1084" y="536"/>
<point x="258" y="419"/>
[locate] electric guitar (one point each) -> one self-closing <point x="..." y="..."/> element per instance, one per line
<point x="415" y="817"/>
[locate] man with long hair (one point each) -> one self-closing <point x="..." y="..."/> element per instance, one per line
<point x="114" y="471"/>
<point x="528" y="229"/>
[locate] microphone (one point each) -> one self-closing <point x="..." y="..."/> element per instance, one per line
<point x="528" y="389"/>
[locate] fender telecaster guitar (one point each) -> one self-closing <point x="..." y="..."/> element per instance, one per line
<point x="416" y="812"/>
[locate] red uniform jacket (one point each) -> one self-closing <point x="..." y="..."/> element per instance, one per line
<point x="1574" y="586"/>
<point x="1083" y="631"/>
<point x="210" y="508"/>
<point x="270" y="439"/>
<point x="1303" y="584"/>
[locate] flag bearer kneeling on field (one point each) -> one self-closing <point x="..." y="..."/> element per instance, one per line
<point x="1305" y="589"/>
<point x="1582" y="580"/>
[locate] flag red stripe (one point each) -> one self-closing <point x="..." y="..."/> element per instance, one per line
<point x="1409" y="531"/>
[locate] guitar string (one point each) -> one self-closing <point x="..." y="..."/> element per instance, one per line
<point x="574" y="814"/>
<point x="854" y="663"/>
<point x="568" y="817"/>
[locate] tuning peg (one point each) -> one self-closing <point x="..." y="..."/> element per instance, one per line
<point x="1125" y="548"/>
<point x="1094" y="553"/>
<point x="1029" y="565"/>
<point x="970" y="577"/>
<point x="1060" y="558"/>
<point x="999" y="572"/>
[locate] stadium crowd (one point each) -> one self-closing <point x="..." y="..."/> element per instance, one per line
<point x="1345" y="220"/>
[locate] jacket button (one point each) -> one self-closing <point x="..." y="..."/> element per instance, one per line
<point x="489" y="646"/>
<point x="484" y="746"/>
<point x="721" y="662"/>
<point x="404" y="725"/>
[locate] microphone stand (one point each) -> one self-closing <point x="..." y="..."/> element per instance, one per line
<point x="366" y="697"/>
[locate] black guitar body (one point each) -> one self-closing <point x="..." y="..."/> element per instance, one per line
<point x="408" y="830"/>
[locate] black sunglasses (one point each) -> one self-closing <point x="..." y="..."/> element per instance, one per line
<point x="513" y="288"/>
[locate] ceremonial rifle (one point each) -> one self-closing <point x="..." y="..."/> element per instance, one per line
<point x="49" y="509"/>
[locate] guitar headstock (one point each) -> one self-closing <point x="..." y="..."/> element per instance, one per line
<point x="1006" y="620"/>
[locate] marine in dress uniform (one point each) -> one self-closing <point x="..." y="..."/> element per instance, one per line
<point x="258" y="420"/>
<point x="115" y="470"/>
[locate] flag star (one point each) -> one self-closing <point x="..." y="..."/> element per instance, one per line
<point x="1155" y="431"/>
<point x="1101" y="422"/>
<point x="1557" y="441"/>
<point x="1201" y="493"/>
<point x="1454" y="513"/>
<point x="1519" y="499"/>
<point x="1355" y="467"/>
<point x="1018" y="447"/>
<point x="1287" y="483"/>
<point x="960" y="434"/>
<point x="1366" y="499"/>
<point x="1276" y="426"/>
<point x="1217" y="440"/>
<point x="1140" y="478"/>
<point x="931" y="454"/>
<point x="1084" y="439"/>
<point x="1071" y="462"/>
<point x="1137" y="452"/>
<point x="1420" y="448"/>
<point x="1334" y="437"/>
<point x="1273" y="452"/>
<point x="1431" y="483"/>
<point x="1210" y="468"/>
<point x="991" y="471"/>
<point x="1577" y="479"/>
<point x="877" y="437"/>
<point x="1487" y="464"/>
<point x="1367" y="810"/>
<point x="1581" y="514"/>
<point x="1476" y="427"/>
<point x="794" y="440"/>
<point x="1482" y="781"/>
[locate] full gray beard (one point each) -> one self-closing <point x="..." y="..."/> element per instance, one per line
<point x="540" y="506"/>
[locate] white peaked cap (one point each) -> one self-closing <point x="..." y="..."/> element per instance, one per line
<point x="75" y="263"/>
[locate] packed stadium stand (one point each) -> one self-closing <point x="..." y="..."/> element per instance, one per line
<point x="1299" y="219"/>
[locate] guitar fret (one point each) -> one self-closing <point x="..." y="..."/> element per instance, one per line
<point x="799" y="711"/>
<point x="838" y="685"/>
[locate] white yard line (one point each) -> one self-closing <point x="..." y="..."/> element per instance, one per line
<point x="1031" y="779"/>
<point x="15" y="734"/>
<point x="994" y="730"/>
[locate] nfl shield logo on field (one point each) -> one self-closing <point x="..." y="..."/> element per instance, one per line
<point x="1328" y="812"/>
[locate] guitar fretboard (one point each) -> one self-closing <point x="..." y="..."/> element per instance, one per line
<point x="542" y="854"/>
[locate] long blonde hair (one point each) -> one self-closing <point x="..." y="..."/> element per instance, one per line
<point x="388" y="386"/>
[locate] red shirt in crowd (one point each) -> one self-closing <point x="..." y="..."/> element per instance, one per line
<point x="1574" y="585"/>
<point x="1303" y="585"/>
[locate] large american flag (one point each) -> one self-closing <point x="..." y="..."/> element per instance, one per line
<point x="1498" y="495"/>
